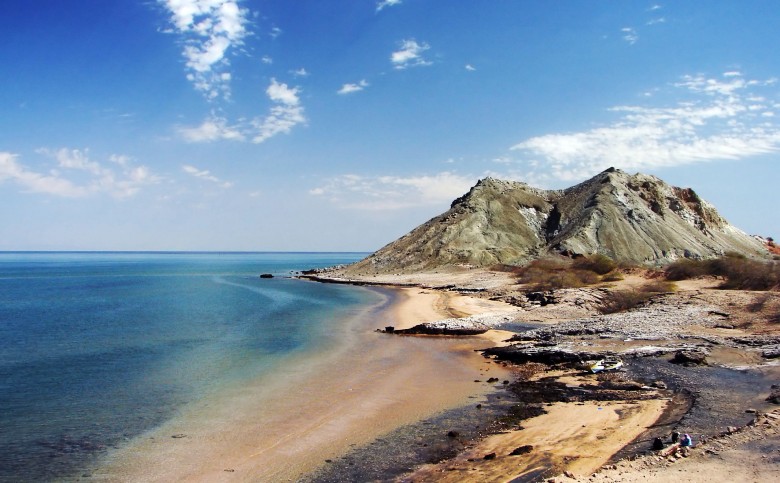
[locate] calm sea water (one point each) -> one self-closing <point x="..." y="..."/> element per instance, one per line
<point x="96" y="348"/>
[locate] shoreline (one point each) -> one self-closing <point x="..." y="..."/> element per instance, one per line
<point x="317" y="408"/>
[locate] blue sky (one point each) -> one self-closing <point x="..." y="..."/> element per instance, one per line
<point x="341" y="125"/>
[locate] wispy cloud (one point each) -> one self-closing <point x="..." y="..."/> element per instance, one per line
<point x="630" y="35"/>
<point x="209" y="29"/>
<point x="717" y="119"/>
<point x="205" y="175"/>
<point x="350" y="88"/>
<point x="386" y="3"/>
<point x="285" y="113"/>
<point x="393" y="192"/>
<point x="215" y="128"/>
<point x="300" y="72"/>
<point x="470" y="68"/>
<point x="410" y="54"/>
<point x="76" y="176"/>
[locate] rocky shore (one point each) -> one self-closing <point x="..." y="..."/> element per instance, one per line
<point x="695" y="361"/>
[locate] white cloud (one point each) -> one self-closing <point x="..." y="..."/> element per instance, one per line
<point x="285" y="114"/>
<point x="386" y="3"/>
<point x="393" y="192"/>
<point x="205" y="175"/>
<point x="350" y="88"/>
<point x="716" y="120"/>
<point x="210" y="28"/>
<point x="629" y="35"/>
<point x="656" y="21"/>
<point x="282" y="94"/>
<point x="470" y="68"/>
<point x="409" y="54"/>
<point x="95" y="177"/>
<point x="214" y="128"/>
<point x="275" y="32"/>
<point x="300" y="72"/>
<point x="266" y="59"/>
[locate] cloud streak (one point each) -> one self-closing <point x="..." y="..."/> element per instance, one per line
<point x="205" y="175"/>
<point x="720" y="119"/>
<point x="209" y="29"/>
<point x="61" y="181"/>
<point x="383" y="193"/>
<point x="350" y="88"/>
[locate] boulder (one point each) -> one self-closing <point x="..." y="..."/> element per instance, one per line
<point x="520" y="450"/>
<point x="689" y="358"/>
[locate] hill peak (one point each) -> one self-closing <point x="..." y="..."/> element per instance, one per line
<point x="631" y="218"/>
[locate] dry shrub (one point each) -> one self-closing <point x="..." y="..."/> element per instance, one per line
<point x="613" y="276"/>
<point x="553" y="273"/>
<point x="685" y="269"/>
<point x="758" y="303"/>
<point x="600" y="264"/>
<point x="744" y="274"/>
<point x="658" y="286"/>
<point x="740" y="273"/>
<point x="622" y="300"/>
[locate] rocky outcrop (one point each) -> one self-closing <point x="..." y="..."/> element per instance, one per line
<point x="630" y="218"/>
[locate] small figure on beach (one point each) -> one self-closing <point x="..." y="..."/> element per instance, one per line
<point x="686" y="441"/>
<point x="675" y="437"/>
<point x="658" y="444"/>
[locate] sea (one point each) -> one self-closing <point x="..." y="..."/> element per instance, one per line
<point x="97" y="348"/>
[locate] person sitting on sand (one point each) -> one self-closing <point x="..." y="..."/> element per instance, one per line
<point x="686" y="441"/>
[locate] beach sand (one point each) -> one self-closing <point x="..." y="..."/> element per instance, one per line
<point x="282" y="427"/>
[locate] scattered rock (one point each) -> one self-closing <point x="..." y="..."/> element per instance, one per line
<point x="267" y="275"/>
<point x="489" y="456"/>
<point x="453" y="434"/>
<point x="525" y="449"/>
<point x="179" y="436"/>
<point x="774" y="396"/>
<point x="389" y="329"/>
<point x="689" y="358"/>
<point x="659" y="384"/>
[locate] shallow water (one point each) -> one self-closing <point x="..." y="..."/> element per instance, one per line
<point x="96" y="348"/>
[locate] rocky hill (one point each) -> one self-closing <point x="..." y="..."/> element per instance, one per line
<point x="630" y="218"/>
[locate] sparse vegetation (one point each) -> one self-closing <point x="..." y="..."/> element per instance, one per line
<point x="623" y="300"/>
<point x="613" y="276"/>
<point x="738" y="272"/>
<point x="558" y="273"/>
<point x="600" y="264"/>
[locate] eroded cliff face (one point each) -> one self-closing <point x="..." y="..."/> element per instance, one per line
<point x="631" y="218"/>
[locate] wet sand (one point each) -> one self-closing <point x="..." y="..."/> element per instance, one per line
<point x="318" y="407"/>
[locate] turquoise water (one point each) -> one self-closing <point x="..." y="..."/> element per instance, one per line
<point x="96" y="348"/>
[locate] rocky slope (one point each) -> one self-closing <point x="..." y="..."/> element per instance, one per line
<point x="630" y="218"/>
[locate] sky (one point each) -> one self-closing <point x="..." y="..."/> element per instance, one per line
<point x="311" y="125"/>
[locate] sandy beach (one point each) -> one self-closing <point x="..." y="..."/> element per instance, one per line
<point x="281" y="428"/>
